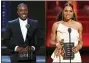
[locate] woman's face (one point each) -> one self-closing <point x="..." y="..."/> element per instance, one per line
<point x="68" y="12"/>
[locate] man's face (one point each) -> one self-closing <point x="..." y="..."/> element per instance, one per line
<point x="22" y="12"/>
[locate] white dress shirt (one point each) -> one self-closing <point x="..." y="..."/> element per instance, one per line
<point x="23" y="28"/>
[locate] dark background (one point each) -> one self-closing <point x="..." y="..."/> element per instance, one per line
<point x="36" y="12"/>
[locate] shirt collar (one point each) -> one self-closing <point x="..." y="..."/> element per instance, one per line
<point x="25" y="21"/>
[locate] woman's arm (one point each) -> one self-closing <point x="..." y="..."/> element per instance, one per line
<point x="53" y="34"/>
<point x="54" y="37"/>
<point x="80" y="42"/>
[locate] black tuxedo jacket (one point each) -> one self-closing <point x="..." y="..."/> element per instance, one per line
<point x="13" y="35"/>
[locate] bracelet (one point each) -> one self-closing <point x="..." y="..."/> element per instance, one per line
<point x="57" y="44"/>
<point x="80" y="46"/>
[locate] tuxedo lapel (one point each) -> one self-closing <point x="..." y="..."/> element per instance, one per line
<point x="29" y="30"/>
<point x="19" y="29"/>
<point x="30" y="26"/>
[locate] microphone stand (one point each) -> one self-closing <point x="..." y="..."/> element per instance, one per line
<point x="31" y="52"/>
<point x="69" y="30"/>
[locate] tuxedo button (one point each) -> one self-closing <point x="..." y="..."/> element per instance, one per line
<point x="28" y="34"/>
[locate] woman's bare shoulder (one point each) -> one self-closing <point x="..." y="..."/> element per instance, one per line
<point x="78" y="24"/>
<point x="56" y="23"/>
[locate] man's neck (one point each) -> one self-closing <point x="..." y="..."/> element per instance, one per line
<point x="22" y="19"/>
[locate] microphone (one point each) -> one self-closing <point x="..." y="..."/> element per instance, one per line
<point x="69" y="30"/>
<point x="30" y="53"/>
<point x="27" y="26"/>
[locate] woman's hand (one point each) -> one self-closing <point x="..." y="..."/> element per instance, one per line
<point x="75" y="49"/>
<point x="59" y="50"/>
<point x="58" y="45"/>
<point x="62" y="51"/>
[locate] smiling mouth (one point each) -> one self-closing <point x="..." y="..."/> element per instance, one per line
<point x="23" y="15"/>
<point x="67" y="15"/>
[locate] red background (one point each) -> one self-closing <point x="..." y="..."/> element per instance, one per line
<point x="81" y="9"/>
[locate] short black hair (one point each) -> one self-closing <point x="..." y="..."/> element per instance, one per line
<point x="21" y="5"/>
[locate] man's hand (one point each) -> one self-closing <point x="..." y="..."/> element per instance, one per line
<point x="19" y="49"/>
<point x="23" y="49"/>
<point x="26" y="49"/>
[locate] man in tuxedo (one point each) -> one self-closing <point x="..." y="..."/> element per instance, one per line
<point x="20" y="34"/>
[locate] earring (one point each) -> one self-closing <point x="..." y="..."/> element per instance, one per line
<point x="73" y="16"/>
